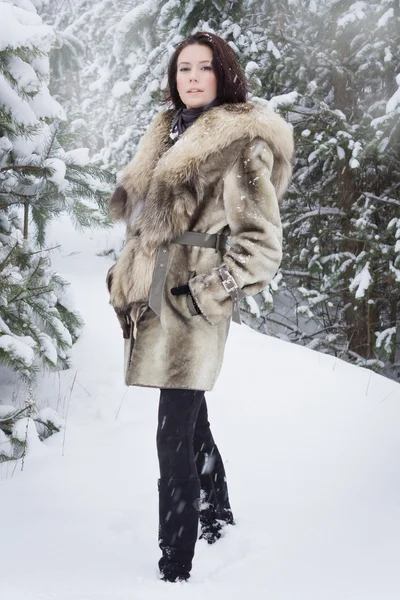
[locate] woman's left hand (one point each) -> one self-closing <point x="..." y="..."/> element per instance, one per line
<point x="181" y="290"/>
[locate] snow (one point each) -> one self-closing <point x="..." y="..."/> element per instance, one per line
<point x="45" y="106"/>
<point x="18" y="347"/>
<point x="129" y="22"/>
<point x="361" y="281"/>
<point x="394" y="101"/>
<point x="62" y="331"/>
<point x="6" y="410"/>
<point x="59" y="169"/>
<point x="356" y="13"/>
<point x="385" y="18"/>
<point x="388" y="55"/>
<point x="396" y="272"/>
<point x="5" y="445"/>
<point x="25" y="430"/>
<point x="23" y="73"/>
<point x="272" y="48"/>
<point x="253" y="306"/>
<point x="283" y="100"/>
<point x="357" y="147"/>
<point x="251" y="68"/>
<point x="312" y="87"/>
<point x="48" y="348"/>
<point x="385" y="338"/>
<point x="49" y="415"/>
<point x="4" y="327"/>
<point x="79" y="156"/>
<point x="137" y="72"/>
<point x="310" y="446"/>
<point x="236" y="31"/>
<point x="21" y="27"/>
<point x="341" y="153"/>
<point x="25" y="98"/>
<point x="354" y="164"/>
<point x="15" y="105"/>
<point x="121" y="88"/>
<point x="312" y="6"/>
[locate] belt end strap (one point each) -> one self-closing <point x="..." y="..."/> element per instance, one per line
<point x="233" y="290"/>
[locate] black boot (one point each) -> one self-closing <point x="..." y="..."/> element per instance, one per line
<point x="215" y="509"/>
<point x="178" y="525"/>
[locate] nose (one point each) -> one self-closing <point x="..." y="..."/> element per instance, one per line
<point x="193" y="76"/>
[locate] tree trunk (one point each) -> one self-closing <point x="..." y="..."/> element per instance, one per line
<point x="357" y="322"/>
<point x="26" y="219"/>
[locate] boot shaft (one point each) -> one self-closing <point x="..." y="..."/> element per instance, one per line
<point x="179" y="501"/>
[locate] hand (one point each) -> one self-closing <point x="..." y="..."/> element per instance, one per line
<point x="125" y="322"/>
<point x="123" y="315"/>
<point x="181" y="290"/>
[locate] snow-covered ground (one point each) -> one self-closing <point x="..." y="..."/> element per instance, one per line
<point x="311" y="448"/>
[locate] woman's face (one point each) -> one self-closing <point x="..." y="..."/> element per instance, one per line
<point x="195" y="78"/>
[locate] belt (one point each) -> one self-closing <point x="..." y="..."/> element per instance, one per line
<point x="189" y="238"/>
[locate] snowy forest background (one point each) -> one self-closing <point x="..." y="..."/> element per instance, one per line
<point x="81" y="80"/>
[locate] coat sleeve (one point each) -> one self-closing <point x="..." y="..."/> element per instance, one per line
<point x="255" y="252"/>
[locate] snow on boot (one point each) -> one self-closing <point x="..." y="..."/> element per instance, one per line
<point x="212" y="521"/>
<point x="215" y="510"/>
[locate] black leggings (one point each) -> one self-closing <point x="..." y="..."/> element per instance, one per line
<point x="185" y="445"/>
<point x="178" y="414"/>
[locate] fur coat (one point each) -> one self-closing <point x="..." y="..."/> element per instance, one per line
<point x="226" y="174"/>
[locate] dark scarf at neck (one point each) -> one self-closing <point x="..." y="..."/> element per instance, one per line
<point x="184" y="117"/>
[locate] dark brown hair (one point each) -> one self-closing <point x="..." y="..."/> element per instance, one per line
<point x="232" y="85"/>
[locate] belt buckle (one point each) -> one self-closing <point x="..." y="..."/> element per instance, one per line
<point x="229" y="282"/>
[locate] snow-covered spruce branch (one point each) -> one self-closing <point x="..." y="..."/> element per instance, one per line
<point x="43" y="250"/>
<point x="302" y="335"/>
<point x="384" y="199"/>
<point x="324" y="210"/>
<point x="25" y="168"/>
<point x="296" y="273"/>
<point x="11" y="418"/>
<point x="6" y="260"/>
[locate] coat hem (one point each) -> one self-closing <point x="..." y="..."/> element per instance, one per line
<point x="168" y="387"/>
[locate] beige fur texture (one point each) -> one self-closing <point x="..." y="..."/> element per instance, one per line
<point x="226" y="174"/>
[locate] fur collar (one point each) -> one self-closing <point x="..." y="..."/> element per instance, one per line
<point x="218" y="129"/>
<point x="158" y="183"/>
<point x="213" y="131"/>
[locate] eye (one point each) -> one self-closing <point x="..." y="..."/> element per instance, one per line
<point x="184" y="69"/>
<point x="207" y="68"/>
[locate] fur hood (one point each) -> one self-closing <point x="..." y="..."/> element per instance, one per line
<point x="160" y="164"/>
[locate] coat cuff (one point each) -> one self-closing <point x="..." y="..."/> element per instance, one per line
<point x="211" y="297"/>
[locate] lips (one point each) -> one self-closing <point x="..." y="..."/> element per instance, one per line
<point x="194" y="91"/>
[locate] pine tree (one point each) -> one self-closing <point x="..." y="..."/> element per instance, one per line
<point x="39" y="180"/>
<point x="121" y="82"/>
<point x="341" y="258"/>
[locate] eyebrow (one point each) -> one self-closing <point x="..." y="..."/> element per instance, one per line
<point x="188" y="63"/>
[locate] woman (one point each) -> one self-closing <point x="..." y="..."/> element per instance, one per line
<point x="213" y="166"/>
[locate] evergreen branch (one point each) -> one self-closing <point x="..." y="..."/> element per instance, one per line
<point x="323" y="210"/>
<point x="6" y="260"/>
<point x="50" y="426"/>
<point x="34" y="170"/>
<point x="380" y="199"/>
<point x="12" y="417"/>
<point x="44" y="250"/>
